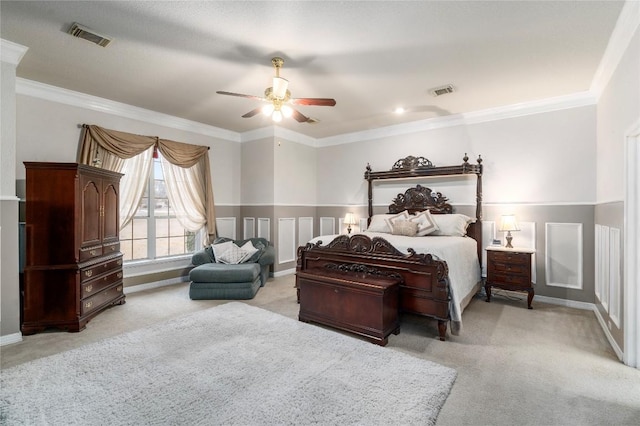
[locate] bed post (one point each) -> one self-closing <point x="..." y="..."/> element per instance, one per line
<point x="367" y="176"/>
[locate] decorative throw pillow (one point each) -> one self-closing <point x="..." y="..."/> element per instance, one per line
<point x="250" y="250"/>
<point x="395" y="218"/>
<point x="405" y="227"/>
<point x="426" y="223"/>
<point x="233" y="255"/>
<point x="220" y="248"/>
<point x="454" y="225"/>
<point x="379" y="224"/>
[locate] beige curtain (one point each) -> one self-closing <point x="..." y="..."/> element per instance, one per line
<point x="112" y="150"/>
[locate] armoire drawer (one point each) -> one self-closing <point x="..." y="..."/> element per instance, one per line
<point x="92" y="272"/>
<point x="98" y="300"/>
<point x="90" y="288"/>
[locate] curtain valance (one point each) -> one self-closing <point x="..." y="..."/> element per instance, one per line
<point x="110" y="149"/>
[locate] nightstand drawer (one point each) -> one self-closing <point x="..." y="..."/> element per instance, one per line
<point x="511" y="268"/>
<point x="508" y="279"/>
<point x="512" y="258"/>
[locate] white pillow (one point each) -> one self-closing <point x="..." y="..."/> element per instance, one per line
<point x="378" y="223"/>
<point x="426" y="223"/>
<point x="454" y="225"/>
<point x="404" y="227"/>
<point x="250" y="249"/>
<point x="395" y="218"/>
<point x="233" y="255"/>
<point x="220" y="248"/>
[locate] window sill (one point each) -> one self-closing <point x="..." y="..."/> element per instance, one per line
<point x="142" y="267"/>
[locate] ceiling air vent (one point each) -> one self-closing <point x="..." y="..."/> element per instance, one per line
<point x="439" y="91"/>
<point x="88" y="34"/>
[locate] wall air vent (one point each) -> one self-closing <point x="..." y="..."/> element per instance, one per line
<point x="439" y="91"/>
<point x="88" y="34"/>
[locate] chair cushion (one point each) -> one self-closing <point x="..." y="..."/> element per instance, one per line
<point x="222" y="273"/>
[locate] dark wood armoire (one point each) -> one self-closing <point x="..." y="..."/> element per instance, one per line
<point x="73" y="265"/>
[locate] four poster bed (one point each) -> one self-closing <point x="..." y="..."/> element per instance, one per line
<point x="438" y="273"/>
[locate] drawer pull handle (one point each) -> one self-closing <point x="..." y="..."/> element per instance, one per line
<point x="336" y="290"/>
<point x="92" y="252"/>
<point x="88" y="273"/>
<point x="119" y="262"/>
<point x="119" y="274"/>
<point x="119" y="288"/>
<point x="113" y="248"/>
<point x="88" y="288"/>
<point x="88" y="305"/>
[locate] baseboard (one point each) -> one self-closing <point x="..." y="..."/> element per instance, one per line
<point x="10" y="339"/>
<point x="612" y="342"/>
<point x="564" y="302"/>
<point x="284" y="273"/>
<point x="156" y="284"/>
<point x="589" y="307"/>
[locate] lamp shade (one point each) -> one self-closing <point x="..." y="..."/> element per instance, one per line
<point x="280" y="87"/>
<point x="350" y="219"/>
<point x="509" y="223"/>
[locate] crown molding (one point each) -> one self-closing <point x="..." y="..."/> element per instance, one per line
<point x="491" y="114"/>
<point x="82" y="100"/>
<point x="11" y="52"/>
<point x="69" y="97"/>
<point x="625" y="28"/>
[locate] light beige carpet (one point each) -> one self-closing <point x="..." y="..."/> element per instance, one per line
<point x="551" y="365"/>
<point x="230" y="364"/>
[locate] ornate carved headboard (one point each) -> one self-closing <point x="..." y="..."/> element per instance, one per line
<point x="422" y="198"/>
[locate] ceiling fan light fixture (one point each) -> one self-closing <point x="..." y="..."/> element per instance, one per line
<point x="267" y="109"/>
<point x="286" y="110"/>
<point x="280" y="87"/>
<point x="276" y="116"/>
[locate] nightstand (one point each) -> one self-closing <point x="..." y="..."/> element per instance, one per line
<point x="509" y="269"/>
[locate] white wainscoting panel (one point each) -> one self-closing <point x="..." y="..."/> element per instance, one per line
<point x="527" y="238"/>
<point x="249" y="225"/>
<point x="286" y="239"/>
<point x="563" y="262"/>
<point x="305" y="230"/>
<point x="488" y="234"/>
<point x="264" y="228"/>
<point x="226" y="227"/>
<point x="327" y="225"/>
<point x="363" y="223"/>
<point x="614" y="275"/>
<point x="601" y="260"/>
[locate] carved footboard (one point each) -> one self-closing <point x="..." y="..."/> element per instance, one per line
<point x="423" y="280"/>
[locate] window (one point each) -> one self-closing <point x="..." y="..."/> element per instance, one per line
<point x="154" y="231"/>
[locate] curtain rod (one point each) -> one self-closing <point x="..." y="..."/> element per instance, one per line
<point x="86" y="126"/>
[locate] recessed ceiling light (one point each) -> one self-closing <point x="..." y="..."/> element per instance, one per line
<point x="399" y="110"/>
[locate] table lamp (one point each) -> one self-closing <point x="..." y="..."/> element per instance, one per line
<point x="507" y="225"/>
<point x="349" y="219"/>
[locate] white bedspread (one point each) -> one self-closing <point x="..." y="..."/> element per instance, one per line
<point x="461" y="256"/>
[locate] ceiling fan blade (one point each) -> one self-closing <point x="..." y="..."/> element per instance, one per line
<point x="313" y="101"/>
<point x="240" y="95"/>
<point x="252" y="112"/>
<point x="300" y="117"/>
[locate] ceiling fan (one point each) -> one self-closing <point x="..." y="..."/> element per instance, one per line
<point x="279" y="99"/>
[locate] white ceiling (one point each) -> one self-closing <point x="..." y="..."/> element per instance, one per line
<point x="171" y="57"/>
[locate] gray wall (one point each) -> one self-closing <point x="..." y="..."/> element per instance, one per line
<point x="618" y="110"/>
